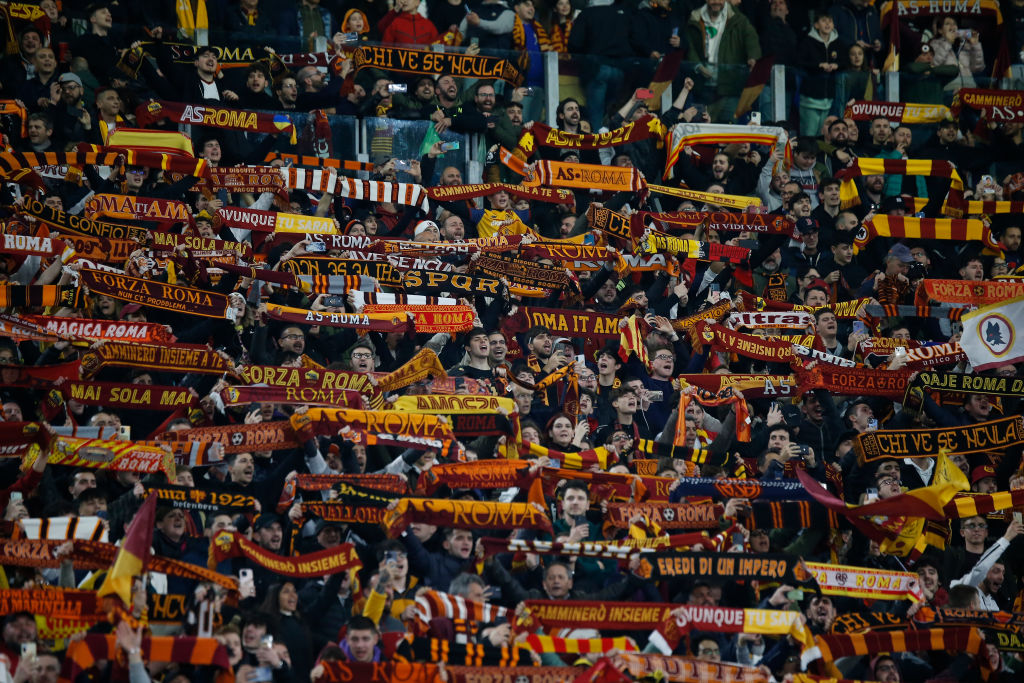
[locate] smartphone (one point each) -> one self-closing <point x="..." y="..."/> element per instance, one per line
<point x="474" y="41"/>
<point x="795" y="594"/>
<point x="397" y="87"/>
<point x="316" y="247"/>
<point x="656" y="396"/>
<point x="900" y="351"/>
<point x="244" y="575"/>
<point x="701" y="109"/>
<point x="28" y="651"/>
<point x="675" y="31"/>
<point x="350" y="37"/>
<point x="390" y="556"/>
<point x="871" y="495"/>
<point x="755" y="118"/>
<point x="872" y="425"/>
<point x="529" y="91"/>
<point x="15" y="496"/>
<point x="449" y="146"/>
<point x="261" y="674"/>
<point x="124" y="433"/>
<point x="267" y="641"/>
<point x="859" y="327"/>
<point x="964" y="33"/>
<point x="804" y="450"/>
<point x="987" y="180"/>
<point x="643" y="94"/>
<point x="403" y="165"/>
<point x="1018" y="517"/>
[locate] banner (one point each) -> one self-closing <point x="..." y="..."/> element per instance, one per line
<point x="573" y="323"/>
<point x="977" y="438"/>
<point x="653" y="242"/>
<point x="380" y="422"/>
<point x="961" y="383"/>
<point x="454" y="284"/>
<point x="452" y="193"/>
<point x="102" y="330"/>
<point x="429" y="319"/>
<point x="459" y="65"/>
<point x="229" y="544"/>
<point x="911" y="227"/>
<point x="688" y="670"/>
<point x="365" y="322"/>
<point x="900" y="112"/>
<point x="176" y="298"/>
<point x="128" y="207"/>
<point x="666" y="515"/>
<point x="721" y="221"/>
<point x="120" y="456"/>
<point x="69" y="222"/>
<point x="238" y="438"/>
<point x="990" y="336"/>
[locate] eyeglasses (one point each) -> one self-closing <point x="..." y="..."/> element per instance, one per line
<point x="664" y="357"/>
<point x="975" y="526"/>
<point x="888" y="480"/>
<point x="292" y="337"/>
<point x="362" y="356"/>
<point x="485" y="95"/>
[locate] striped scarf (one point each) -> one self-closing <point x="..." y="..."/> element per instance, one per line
<point x="319" y="162"/>
<point x="361" y="298"/>
<point x="62" y="529"/>
<point x="909" y="227"/>
<point x="84" y="653"/>
<point x="432" y="604"/>
<point x="576" y="646"/>
<point x="338" y="284"/>
<point x="834" y="646"/>
<point x="519" y="37"/>
<point x="587" y="177"/>
<point x="653" y="242"/>
<point x="407" y="194"/>
<point x="849" y="195"/>
<point x="689" y="134"/>
<point x="21" y="296"/>
<point x="465" y="654"/>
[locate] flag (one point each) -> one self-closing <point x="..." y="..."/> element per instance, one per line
<point x="991" y="338"/>
<point x="759" y="76"/>
<point x="663" y="76"/>
<point x="892" y="60"/>
<point x="131" y="557"/>
<point x="162" y="141"/>
<point x="428" y="140"/>
<point x="631" y="340"/>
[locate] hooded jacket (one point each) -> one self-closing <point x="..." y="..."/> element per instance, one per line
<point x="814" y="50"/>
<point x="738" y="44"/>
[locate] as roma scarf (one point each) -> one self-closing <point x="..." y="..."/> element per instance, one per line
<point x="713" y="313"/>
<point x="160" y="295"/>
<point x="926" y="502"/>
<point x="432" y="604"/>
<point x="104" y="454"/>
<point x="318" y="162"/>
<point x="178" y="358"/>
<point x="868" y="584"/>
<point x="418" y="368"/>
<point x="471" y="246"/>
<point x="601" y="457"/>
<point x="653" y="242"/>
<point x="853" y="381"/>
<point x="573" y="323"/>
<point x="328" y="268"/>
<point x="127" y="396"/>
<point x="132" y="208"/>
<point x="613" y="550"/>
<point x="365" y="322"/>
<point x="234" y="396"/>
<point x="1003" y="106"/>
<point x="723" y="339"/>
<point x="455" y="284"/>
<point x="230" y="544"/>
<point x="688" y="670"/>
<point x="214" y="117"/>
<point x="831" y="359"/>
<point x="35" y="296"/>
<point x="666" y="515"/>
<point x="100" y="249"/>
<point x="993" y="435"/>
<point x="88" y="528"/>
<point x="689" y="134"/>
<point x="407" y="194"/>
<point x="254" y="179"/>
<point x="344" y="513"/>
<point x="849" y="196"/>
<point x="522" y="271"/>
<point x="576" y="646"/>
<point x="459" y="65"/>
<point x="71" y="223"/>
<point x="454" y="404"/>
<point x="980" y="293"/>
<point x="430" y="319"/>
<point x="902" y="112"/>
<point x="204" y="499"/>
<point x="278" y="376"/>
<point x="540" y="134"/>
<point x="102" y="330"/>
<point x="609" y="221"/>
<point x="961" y="383"/>
<point x="791" y="320"/>
<point x="842" y="309"/>
<point x="63" y="603"/>
<point x="326" y="421"/>
<point x="587" y="177"/>
<point x="480" y="474"/>
<point x="834" y="646"/>
<point x="453" y="193"/>
<point x="391" y="483"/>
<point x="721" y="221"/>
<point x="241" y="438"/>
<point x="906" y="311"/>
<point x="31" y="245"/>
<point x="466" y="654"/>
<point x="84" y="653"/>
<point x="272" y="221"/>
<point x="904" y="227"/>
<point x="768" y="567"/>
<point x="18" y="438"/>
<point x="465" y="514"/>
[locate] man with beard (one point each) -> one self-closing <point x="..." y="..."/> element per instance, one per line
<point x="509" y="127"/>
<point x="989" y="572"/>
<point x="448" y="100"/>
<point x="722" y="173"/>
<point x="437" y="569"/>
<point x="820" y="425"/>
<point x="452" y="228"/>
<point x="481" y="117"/>
<point x="878" y="135"/>
<point x="842" y="153"/>
<point x="770" y="265"/>
<point x="478" y="350"/>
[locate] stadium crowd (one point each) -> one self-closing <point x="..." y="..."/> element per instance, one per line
<point x="686" y="394"/>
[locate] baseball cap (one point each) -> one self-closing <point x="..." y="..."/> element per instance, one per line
<point x="902" y="252"/>
<point x="70" y="78"/>
<point x="265" y="520"/>
<point x="807" y="224"/>
<point x="982" y="472"/>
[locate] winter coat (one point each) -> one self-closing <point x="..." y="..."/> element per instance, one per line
<point x="813" y="51"/>
<point x="739" y="43"/>
<point x="967" y="56"/>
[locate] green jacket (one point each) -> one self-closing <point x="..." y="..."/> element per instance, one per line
<point x="739" y="43"/>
